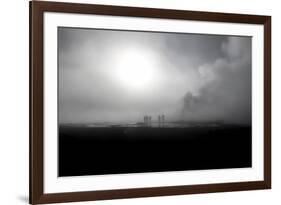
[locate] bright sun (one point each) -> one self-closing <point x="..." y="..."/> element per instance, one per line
<point x="135" y="69"/>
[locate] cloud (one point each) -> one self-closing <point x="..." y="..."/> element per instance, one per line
<point x="225" y="86"/>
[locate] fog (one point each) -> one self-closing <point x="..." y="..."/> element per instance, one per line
<point x="120" y="76"/>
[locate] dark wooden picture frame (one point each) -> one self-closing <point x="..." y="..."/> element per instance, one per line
<point x="37" y="8"/>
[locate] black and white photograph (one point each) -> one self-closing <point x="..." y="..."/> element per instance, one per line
<point x="144" y="101"/>
<point x="129" y="102"/>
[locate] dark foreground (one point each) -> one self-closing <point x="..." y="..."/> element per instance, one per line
<point x="95" y="151"/>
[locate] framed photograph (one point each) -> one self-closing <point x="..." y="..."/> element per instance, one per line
<point x="140" y="102"/>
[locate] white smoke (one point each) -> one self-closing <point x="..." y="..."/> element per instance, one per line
<point x="225" y="86"/>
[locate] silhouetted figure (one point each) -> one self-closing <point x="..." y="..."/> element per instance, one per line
<point x="147" y="120"/>
<point x="161" y="120"/>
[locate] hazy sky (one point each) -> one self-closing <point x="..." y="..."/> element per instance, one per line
<point x="120" y="76"/>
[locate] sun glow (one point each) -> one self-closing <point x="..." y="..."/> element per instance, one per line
<point x="136" y="69"/>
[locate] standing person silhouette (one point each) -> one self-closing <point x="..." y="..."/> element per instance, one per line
<point x="163" y="120"/>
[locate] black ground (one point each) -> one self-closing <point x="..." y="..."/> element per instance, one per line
<point x="95" y="151"/>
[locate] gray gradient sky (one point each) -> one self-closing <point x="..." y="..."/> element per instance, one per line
<point x="120" y="76"/>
